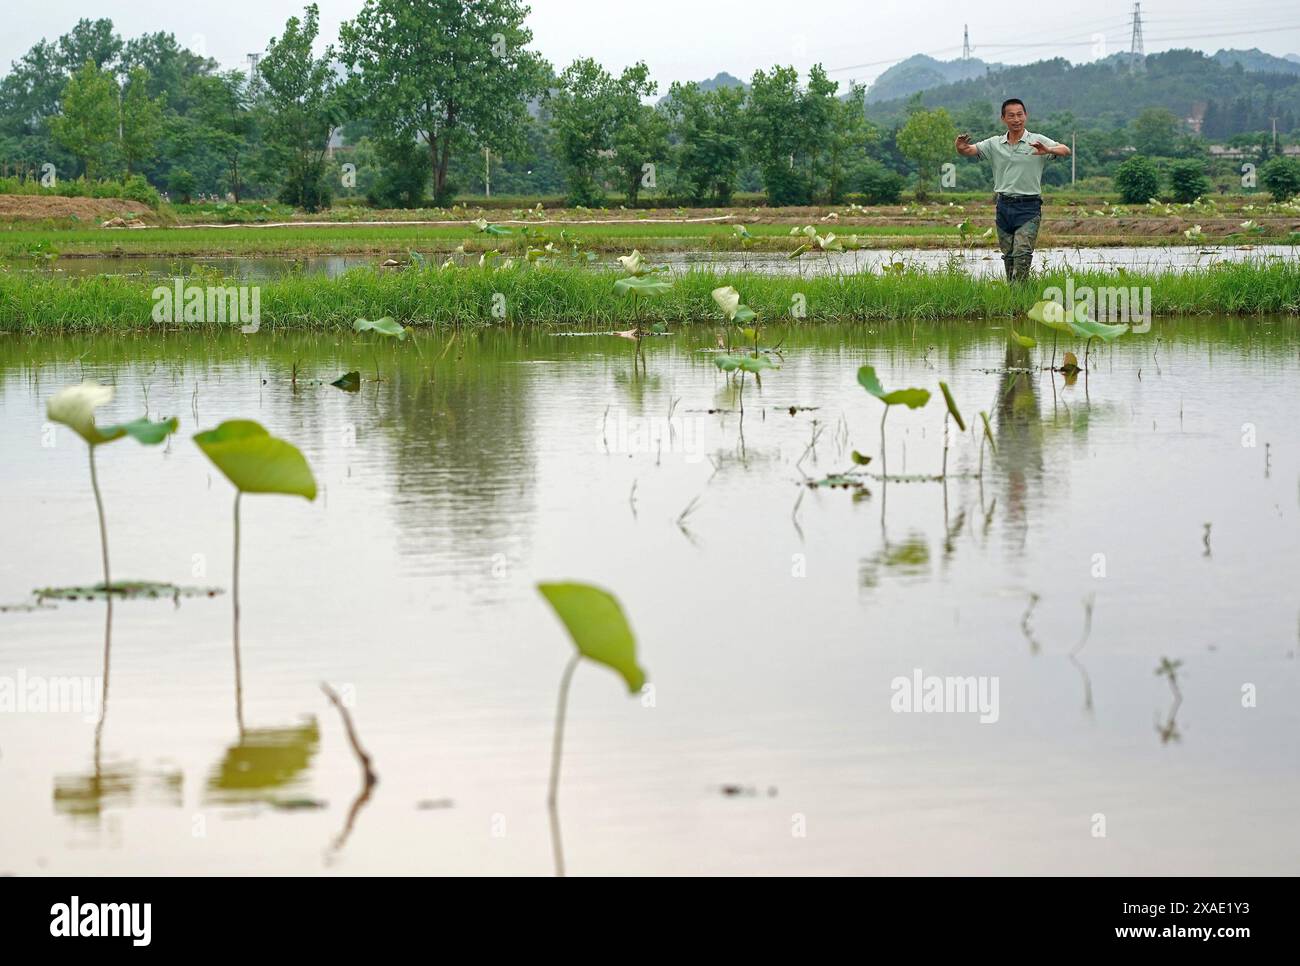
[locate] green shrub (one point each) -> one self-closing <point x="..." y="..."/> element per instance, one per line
<point x="1281" y="176"/>
<point x="879" y="185"/>
<point x="1137" y="181"/>
<point x="1187" y="181"/>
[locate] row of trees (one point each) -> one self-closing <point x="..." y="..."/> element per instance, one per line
<point x="420" y="91"/>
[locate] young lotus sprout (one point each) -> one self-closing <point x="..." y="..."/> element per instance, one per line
<point x="600" y="633"/>
<point x="1053" y="315"/>
<point x="255" y="462"/>
<point x="911" y="398"/>
<point x="388" y="327"/>
<point x="955" y="413"/>
<point x="728" y="299"/>
<point x="638" y="285"/>
<point x="75" y="407"/>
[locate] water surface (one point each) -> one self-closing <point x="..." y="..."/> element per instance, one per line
<point x="771" y="617"/>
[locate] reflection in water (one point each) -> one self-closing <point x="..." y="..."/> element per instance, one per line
<point x="1074" y="653"/>
<point x="368" y="777"/>
<point x="263" y="763"/>
<point x="1019" y="435"/>
<point x="1168" y="729"/>
<point x="483" y="442"/>
<point x="86" y="795"/>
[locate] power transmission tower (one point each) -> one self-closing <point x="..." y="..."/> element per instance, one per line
<point x="1137" y="53"/>
<point x="965" y="41"/>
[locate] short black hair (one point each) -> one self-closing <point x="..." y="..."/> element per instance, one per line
<point x="1008" y="102"/>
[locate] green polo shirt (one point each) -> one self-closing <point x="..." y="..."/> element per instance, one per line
<point x="1017" y="170"/>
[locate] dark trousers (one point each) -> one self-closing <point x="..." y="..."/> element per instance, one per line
<point x="1018" y="219"/>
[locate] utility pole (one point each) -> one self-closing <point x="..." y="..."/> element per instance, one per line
<point x="487" y="172"/>
<point x="1274" y="136"/>
<point x="1072" y="157"/>
<point x="1137" y="53"/>
<point x="965" y="41"/>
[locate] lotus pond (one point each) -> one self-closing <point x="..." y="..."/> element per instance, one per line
<point x="1115" y="561"/>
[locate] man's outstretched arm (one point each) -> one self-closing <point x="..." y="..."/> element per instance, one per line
<point x="964" y="147"/>
<point x="1060" y="150"/>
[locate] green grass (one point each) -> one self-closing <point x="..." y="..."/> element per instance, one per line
<point x="397" y="238"/>
<point x="577" y="297"/>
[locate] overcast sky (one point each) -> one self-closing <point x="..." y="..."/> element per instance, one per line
<point x="694" y="39"/>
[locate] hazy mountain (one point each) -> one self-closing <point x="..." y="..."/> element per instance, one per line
<point x="1257" y="61"/>
<point x="920" y="73"/>
<point x="1110" y="92"/>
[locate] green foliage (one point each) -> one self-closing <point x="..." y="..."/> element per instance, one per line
<point x="387" y="326"/>
<point x="707" y="126"/>
<point x="1187" y="181"/>
<point x="800" y="135"/>
<point x="911" y="398"/>
<point x="454" y="73"/>
<point x="952" y="406"/>
<point x="141" y="120"/>
<point x="255" y="461"/>
<point x="1137" y="181"/>
<point x="1281" y="176"/>
<point x="1154" y="132"/>
<point x="878" y="184"/>
<point x="599" y="629"/>
<point x="926" y="140"/>
<point x="300" y="95"/>
<point x="594" y="112"/>
<point x="88" y="124"/>
<point x="181" y="184"/>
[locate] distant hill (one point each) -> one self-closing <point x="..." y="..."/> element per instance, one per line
<point x="1111" y="92"/>
<point x="1257" y="61"/>
<point x="722" y="79"/>
<point x="920" y="73"/>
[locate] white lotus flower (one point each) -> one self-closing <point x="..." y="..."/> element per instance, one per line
<point x="728" y="300"/>
<point x="75" y="407"/>
<point x="633" y="263"/>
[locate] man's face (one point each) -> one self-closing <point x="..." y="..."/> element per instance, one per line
<point x="1014" y="118"/>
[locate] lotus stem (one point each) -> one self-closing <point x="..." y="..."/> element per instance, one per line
<point x="103" y="529"/>
<point x="234" y="586"/>
<point x="884" y="465"/>
<point x="557" y="750"/>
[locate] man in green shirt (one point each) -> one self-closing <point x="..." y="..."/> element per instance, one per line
<point x="1018" y="158"/>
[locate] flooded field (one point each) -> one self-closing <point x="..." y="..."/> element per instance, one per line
<point x="981" y="262"/>
<point x="1119" y="576"/>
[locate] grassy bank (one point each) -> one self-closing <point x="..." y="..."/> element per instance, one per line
<point x="574" y="297"/>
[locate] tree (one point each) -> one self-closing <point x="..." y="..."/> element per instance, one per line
<point x="452" y="73"/>
<point x="788" y="130"/>
<point x="89" y="40"/>
<point x="594" y="114"/>
<point x="225" y="124"/>
<point x="88" y="125"/>
<point x="141" y="120"/>
<point x="1187" y="181"/>
<point x="639" y="131"/>
<point x="171" y="68"/>
<point x="850" y="135"/>
<point x="926" y="140"/>
<point x="707" y="129"/>
<point x="299" y="95"/>
<point x="1154" y="132"/>
<point x="1281" y="176"/>
<point x="1137" y="180"/>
